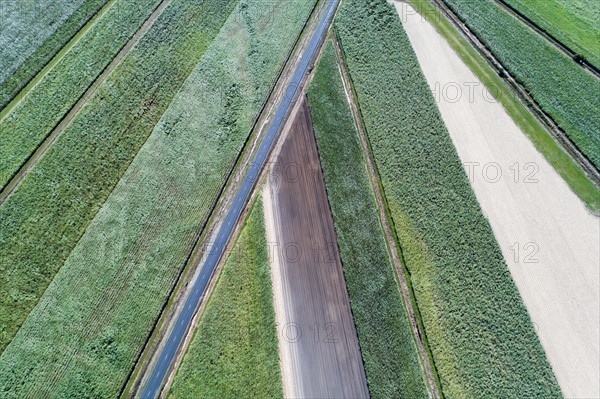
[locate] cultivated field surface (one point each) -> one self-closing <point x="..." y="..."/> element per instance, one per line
<point x="318" y="343"/>
<point x="548" y="238"/>
<point x="386" y="340"/>
<point x="234" y="352"/>
<point x="483" y="342"/>
<point x="574" y="22"/>
<point x="542" y="69"/>
<point x="84" y="335"/>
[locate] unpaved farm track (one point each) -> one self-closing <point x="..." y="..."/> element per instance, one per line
<point x="64" y="122"/>
<point x="317" y="336"/>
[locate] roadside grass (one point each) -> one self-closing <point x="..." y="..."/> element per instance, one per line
<point x="24" y="128"/>
<point x="32" y="33"/>
<point x="481" y="337"/>
<point x="234" y="352"/>
<point x="556" y="156"/>
<point x="45" y="216"/>
<point x="89" y="327"/>
<point x="574" y="22"/>
<point x="562" y="88"/>
<point x="387" y="344"/>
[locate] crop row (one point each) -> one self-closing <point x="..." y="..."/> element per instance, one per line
<point x="574" y="23"/>
<point x="387" y="345"/>
<point x="32" y="34"/>
<point x="36" y="115"/>
<point x="234" y="351"/>
<point x="45" y="217"/>
<point x="478" y="329"/>
<point x="84" y="336"/>
<point x="542" y="69"/>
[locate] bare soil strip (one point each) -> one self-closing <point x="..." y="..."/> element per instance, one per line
<point x="317" y="333"/>
<point x="549" y="240"/>
<point x="395" y="253"/>
<point x="556" y="131"/>
<point x="54" y="134"/>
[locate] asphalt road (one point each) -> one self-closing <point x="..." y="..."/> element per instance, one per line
<point x="165" y="360"/>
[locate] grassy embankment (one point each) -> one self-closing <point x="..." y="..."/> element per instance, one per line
<point x="234" y="351"/>
<point x="36" y="33"/>
<point x="387" y="344"/>
<point x="85" y="334"/>
<point x="481" y="337"/>
<point x="36" y="115"/>
<point x="556" y="156"/>
<point x="562" y="88"/>
<point x="573" y="22"/>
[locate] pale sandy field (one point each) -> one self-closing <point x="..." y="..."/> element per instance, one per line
<point x="548" y="238"/>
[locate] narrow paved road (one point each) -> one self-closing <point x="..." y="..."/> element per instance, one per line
<point x="165" y="360"/>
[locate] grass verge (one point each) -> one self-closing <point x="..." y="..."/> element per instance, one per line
<point x="481" y="337"/>
<point x="85" y="334"/>
<point x="545" y="144"/>
<point x="387" y="345"/>
<point x="234" y="351"/>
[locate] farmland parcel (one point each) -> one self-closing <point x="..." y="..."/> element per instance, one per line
<point x="83" y="337"/>
<point x="32" y="32"/>
<point x="479" y="331"/>
<point x="542" y="69"/>
<point x="233" y="353"/>
<point x="548" y="238"/>
<point x="42" y="220"/>
<point x="573" y="22"/>
<point x="387" y="344"/>
<point x="29" y="122"/>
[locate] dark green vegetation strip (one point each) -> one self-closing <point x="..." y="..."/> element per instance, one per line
<point x="47" y="214"/>
<point x="42" y="55"/>
<point x="557" y="157"/>
<point x="575" y="23"/>
<point x="92" y="322"/>
<point x="563" y="89"/>
<point x="388" y="347"/>
<point x="30" y="122"/>
<point x="482" y="340"/>
<point x="234" y="351"/>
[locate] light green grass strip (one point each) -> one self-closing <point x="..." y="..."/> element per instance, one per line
<point x="234" y="351"/>
<point x="387" y="344"/>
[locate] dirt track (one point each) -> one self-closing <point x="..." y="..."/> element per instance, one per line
<point x="317" y="338"/>
<point x="548" y="238"/>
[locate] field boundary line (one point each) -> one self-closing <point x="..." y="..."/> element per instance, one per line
<point x="73" y="40"/>
<point x="131" y="385"/>
<point x="33" y="159"/>
<point x="568" y="51"/>
<point x="555" y="131"/>
<point x="393" y="244"/>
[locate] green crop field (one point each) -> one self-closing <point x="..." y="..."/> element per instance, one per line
<point x="386" y="340"/>
<point x="481" y="337"/>
<point x="36" y="115"/>
<point x="573" y="22"/>
<point x="542" y="69"/>
<point x="32" y="33"/>
<point x="83" y="337"/>
<point x="47" y="214"/>
<point x="234" y="351"/>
